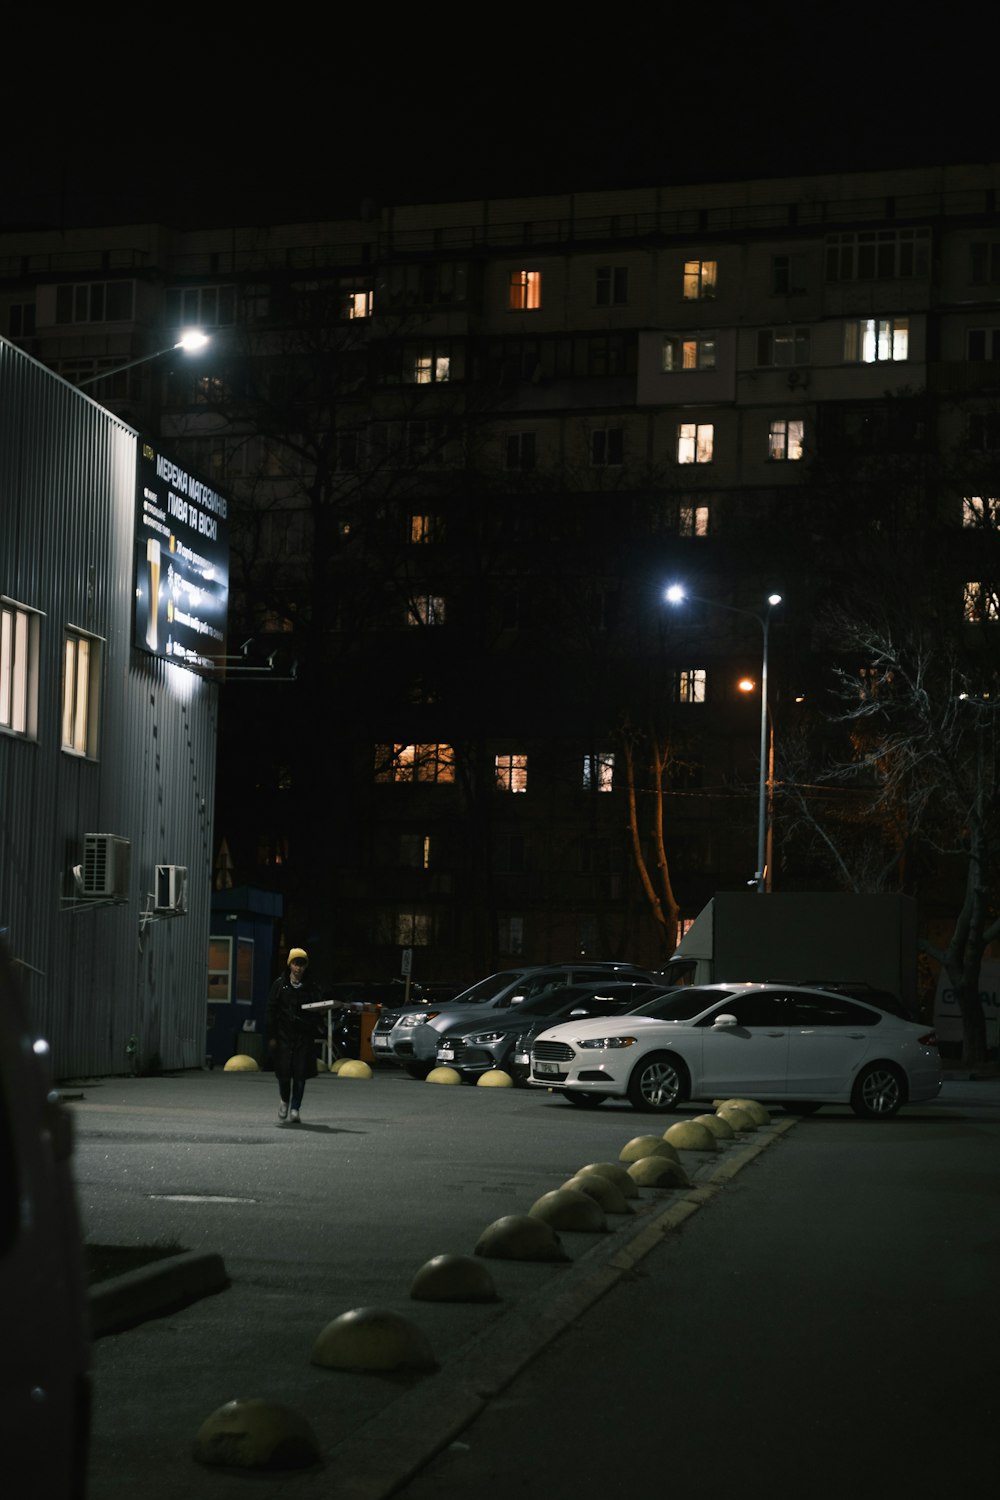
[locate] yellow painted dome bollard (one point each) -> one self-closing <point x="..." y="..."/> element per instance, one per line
<point x="718" y="1125"/>
<point x="605" y="1192"/>
<point x="687" y="1136"/>
<point x="372" y="1338"/>
<point x="256" y="1435"/>
<point x="758" y="1114"/>
<point x="453" y="1278"/>
<point x="496" y="1078"/>
<point x="737" y="1117"/>
<point x="647" y="1145"/>
<point x="353" y="1067"/>
<point x="520" y="1237"/>
<point x="616" y="1172"/>
<point x="443" y="1075"/>
<point x="569" y="1208"/>
<point x="241" y="1063"/>
<point x="658" y="1172"/>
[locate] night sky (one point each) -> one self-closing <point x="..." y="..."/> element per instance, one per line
<point x="199" y="127"/>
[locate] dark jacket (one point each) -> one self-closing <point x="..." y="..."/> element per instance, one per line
<point x="295" y="1030"/>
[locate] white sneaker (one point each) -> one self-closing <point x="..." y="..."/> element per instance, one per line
<point x="293" y="1115"/>
<point x="282" y="1111"/>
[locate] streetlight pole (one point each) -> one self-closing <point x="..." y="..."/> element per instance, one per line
<point x="676" y="595"/>
<point x="189" y="342"/>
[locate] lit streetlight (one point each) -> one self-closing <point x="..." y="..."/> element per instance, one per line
<point x="190" y="341"/>
<point x="676" y="594"/>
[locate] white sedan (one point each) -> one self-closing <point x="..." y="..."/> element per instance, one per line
<point x="781" y="1044"/>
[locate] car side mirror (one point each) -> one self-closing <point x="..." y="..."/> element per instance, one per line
<point x="722" y="1023"/>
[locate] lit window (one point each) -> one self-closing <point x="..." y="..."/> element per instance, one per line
<point x="512" y="773"/>
<point x="784" y="439"/>
<point x="692" y="520"/>
<point x="690" y="685"/>
<point x="869" y="341"/>
<point x="611" y="286"/>
<point x="356" y="303"/>
<point x="688" y="353"/>
<point x="415" y="851"/>
<point x="430" y="369"/>
<point x="980" y="603"/>
<point x="429" y="763"/>
<point x="524" y="291"/>
<point x="782" y="346"/>
<point x="425" y="528"/>
<point x="607" y="447"/>
<point x="407" y="929"/>
<point x="519" y="451"/>
<point x="695" y="442"/>
<point x="427" y="609"/>
<point x="81" y="687"/>
<point x="18" y="669"/>
<point x="981" y="511"/>
<point x="700" y="279"/>
<point x="599" y="772"/>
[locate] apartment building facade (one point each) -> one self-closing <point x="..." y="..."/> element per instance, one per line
<point x="469" y="445"/>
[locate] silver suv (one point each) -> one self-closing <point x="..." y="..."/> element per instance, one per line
<point x="415" y="1034"/>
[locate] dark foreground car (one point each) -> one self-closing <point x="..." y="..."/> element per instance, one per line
<point x="491" y="1041"/>
<point x="45" y="1353"/>
<point x="776" y="1043"/>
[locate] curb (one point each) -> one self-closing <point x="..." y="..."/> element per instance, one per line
<point x="424" y="1420"/>
<point x="150" y="1291"/>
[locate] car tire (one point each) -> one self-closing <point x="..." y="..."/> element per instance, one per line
<point x="879" y="1091"/>
<point x="418" y="1069"/>
<point x="584" y="1101"/>
<point x="800" y="1106"/>
<point x="658" y="1084"/>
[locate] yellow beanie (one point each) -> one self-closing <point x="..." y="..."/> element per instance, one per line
<point x="294" y="953"/>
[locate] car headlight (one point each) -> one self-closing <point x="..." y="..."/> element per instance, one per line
<point x="480" y="1038"/>
<point x="419" y="1018"/>
<point x="607" y="1042"/>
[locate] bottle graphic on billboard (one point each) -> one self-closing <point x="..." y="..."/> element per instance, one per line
<point x="153" y="561"/>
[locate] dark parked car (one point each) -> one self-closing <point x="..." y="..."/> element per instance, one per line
<point x="490" y="1041"/>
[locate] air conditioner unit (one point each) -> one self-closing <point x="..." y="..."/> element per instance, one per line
<point x="171" y="889"/>
<point x="105" y="870"/>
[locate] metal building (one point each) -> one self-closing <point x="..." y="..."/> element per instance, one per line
<point x="107" y="746"/>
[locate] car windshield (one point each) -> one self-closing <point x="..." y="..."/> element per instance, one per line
<point x="681" y="1005"/>
<point x="488" y="989"/>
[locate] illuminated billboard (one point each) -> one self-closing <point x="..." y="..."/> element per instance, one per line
<point x="181" y="563"/>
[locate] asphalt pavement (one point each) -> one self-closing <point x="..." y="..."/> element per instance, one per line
<point x="284" y="1228"/>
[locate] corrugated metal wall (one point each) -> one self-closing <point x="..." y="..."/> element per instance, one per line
<point x="95" y="978"/>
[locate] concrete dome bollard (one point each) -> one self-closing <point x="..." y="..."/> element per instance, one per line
<point x="443" y="1075"/>
<point x="658" y="1172"/>
<point x="615" y="1172"/>
<point x="520" y="1237"/>
<point x="453" y="1278"/>
<point x="496" y="1078"/>
<point x="647" y="1145"/>
<point x="718" y="1125"/>
<point x="754" y="1109"/>
<point x="737" y="1118"/>
<point x="256" y="1435"/>
<point x="372" y="1338"/>
<point x="353" y="1067"/>
<point x="687" y="1136"/>
<point x="603" y="1191"/>
<point x="568" y="1208"/>
<point x="241" y="1063"/>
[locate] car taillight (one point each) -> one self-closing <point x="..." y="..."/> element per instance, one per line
<point x="929" y="1039"/>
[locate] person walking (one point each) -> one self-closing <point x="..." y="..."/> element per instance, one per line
<point x="293" y="1032"/>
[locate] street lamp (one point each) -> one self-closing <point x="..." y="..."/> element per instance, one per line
<point x="189" y="341"/>
<point x="676" y="594"/>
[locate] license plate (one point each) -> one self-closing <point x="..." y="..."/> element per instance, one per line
<point x="546" y="1069"/>
<point x="445" y="1054"/>
<point x="380" y="1042"/>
